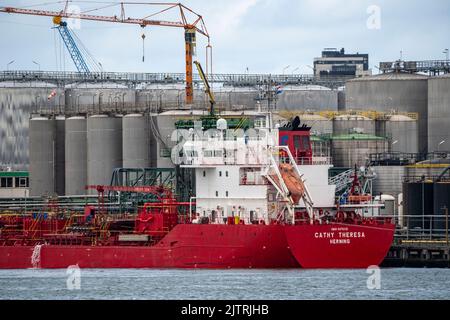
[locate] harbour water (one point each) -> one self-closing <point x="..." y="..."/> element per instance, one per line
<point x="132" y="284"/>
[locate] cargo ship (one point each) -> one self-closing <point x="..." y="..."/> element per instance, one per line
<point x="262" y="200"/>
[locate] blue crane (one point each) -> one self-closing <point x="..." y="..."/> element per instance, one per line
<point x="83" y="60"/>
<point x="71" y="45"/>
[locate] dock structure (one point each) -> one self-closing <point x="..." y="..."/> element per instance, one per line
<point x="419" y="253"/>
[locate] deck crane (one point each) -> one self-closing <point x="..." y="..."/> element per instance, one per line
<point x="202" y="74"/>
<point x="190" y="21"/>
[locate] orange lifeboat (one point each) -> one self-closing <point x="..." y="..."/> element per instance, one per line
<point x="292" y="181"/>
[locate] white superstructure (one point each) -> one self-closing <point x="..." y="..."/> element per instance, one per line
<point x="230" y="168"/>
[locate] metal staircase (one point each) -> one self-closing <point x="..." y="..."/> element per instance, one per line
<point x="342" y="181"/>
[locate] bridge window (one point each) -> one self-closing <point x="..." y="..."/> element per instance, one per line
<point x="297" y="142"/>
<point x="21" y="182"/>
<point x="6" y="182"/>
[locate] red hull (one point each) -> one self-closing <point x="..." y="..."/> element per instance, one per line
<point x="223" y="246"/>
<point x="186" y="246"/>
<point x="339" y="245"/>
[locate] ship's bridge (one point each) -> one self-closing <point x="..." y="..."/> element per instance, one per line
<point x="228" y="147"/>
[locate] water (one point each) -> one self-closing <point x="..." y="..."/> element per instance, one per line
<point x="225" y="284"/>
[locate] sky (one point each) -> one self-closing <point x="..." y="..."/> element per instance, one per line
<point x="261" y="36"/>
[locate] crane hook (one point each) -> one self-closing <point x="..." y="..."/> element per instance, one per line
<point x="143" y="47"/>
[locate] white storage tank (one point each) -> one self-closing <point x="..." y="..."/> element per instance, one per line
<point x="402" y="132"/>
<point x="76" y="156"/>
<point x="104" y="148"/>
<point x="136" y="141"/>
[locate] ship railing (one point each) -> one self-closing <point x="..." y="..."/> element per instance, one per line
<point x="426" y="178"/>
<point x="308" y="160"/>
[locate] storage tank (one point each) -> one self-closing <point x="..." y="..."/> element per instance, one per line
<point x="402" y="132"/>
<point x="345" y="124"/>
<point x="341" y="100"/>
<point x="136" y="141"/>
<point x="42" y="156"/>
<point x="76" y="156"/>
<point x="104" y="148"/>
<point x="163" y="125"/>
<point x="16" y="106"/>
<point x="441" y="206"/>
<point x="60" y="174"/>
<point x="353" y="149"/>
<point x="439" y="113"/>
<point x="319" y="125"/>
<point x="417" y="204"/>
<point x="298" y="98"/>
<point x="391" y="91"/>
<point x="388" y="180"/>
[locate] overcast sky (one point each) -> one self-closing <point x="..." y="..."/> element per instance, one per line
<point x="264" y="36"/>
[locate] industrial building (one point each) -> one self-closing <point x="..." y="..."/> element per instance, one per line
<point x="337" y="63"/>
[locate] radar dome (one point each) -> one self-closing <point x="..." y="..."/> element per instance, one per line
<point x="222" y="124"/>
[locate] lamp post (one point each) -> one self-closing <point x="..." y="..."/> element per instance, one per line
<point x="100" y="95"/>
<point x="285" y="68"/>
<point x="393" y="144"/>
<point x="9" y="63"/>
<point x="93" y="102"/>
<point x="61" y="95"/>
<point x="123" y="101"/>
<point x="38" y="64"/>
<point x="440" y="143"/>
<point x="78" y="103"/>
<point x="295" y="70"/>
<point x="37" y="98"/>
